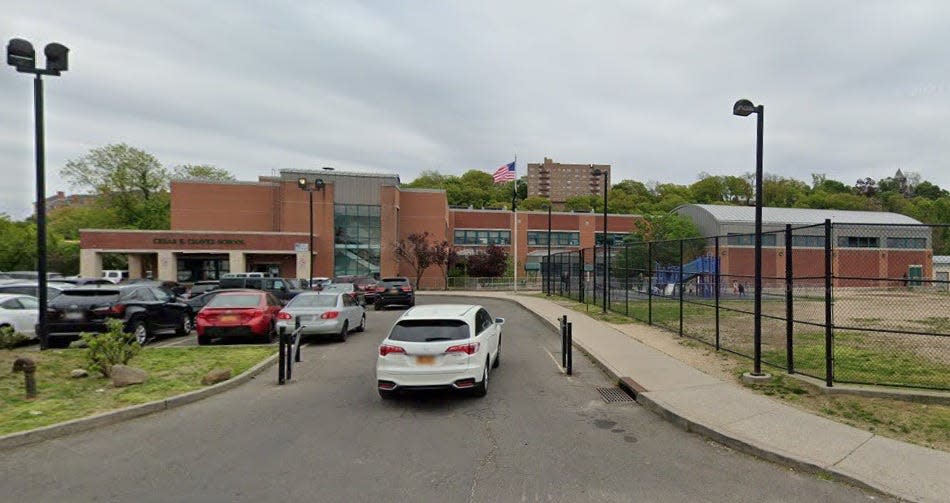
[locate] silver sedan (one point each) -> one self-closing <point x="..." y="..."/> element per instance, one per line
<point x="323" y="313"/>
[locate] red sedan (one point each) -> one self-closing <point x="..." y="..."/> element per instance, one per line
<point x="238" y="314"/>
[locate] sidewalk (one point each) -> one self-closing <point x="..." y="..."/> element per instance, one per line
<point x="741" y="419"/>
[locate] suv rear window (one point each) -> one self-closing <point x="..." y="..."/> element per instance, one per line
<point x="85" y="297"/>
<point x="396" y="281"/>
<point x="239" y="300"/>
<point x="429" y="330"/>
<point x="231" y="283"/>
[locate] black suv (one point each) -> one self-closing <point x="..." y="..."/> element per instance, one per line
<point x="394" y="291"/>
<point x="145" y="310"/>
<point x="282" y="288"/>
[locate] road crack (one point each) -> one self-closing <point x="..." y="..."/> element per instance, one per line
<point x="489" y="459"/>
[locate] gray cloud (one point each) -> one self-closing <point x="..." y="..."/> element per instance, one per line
<point x="851" y="89"/>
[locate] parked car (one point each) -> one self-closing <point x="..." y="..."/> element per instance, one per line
<point x="30" y="275"/>
<point x="319" y="283"/>
<point x="238" y="314"/>
<point x="394" y="291"/>
<point x="172" y="287"/>
<point x="115" y="275"/>
<point x="347" y="288"/>
<point x="281" y="288"/>
<point x="77" y="281"/>
<point x="33" y="289"/>
<point x="19" y="312"/>
<point x="449" y="346"/>
<point x="323" y="313"/>
<point x="200" y="287"/>
<point x="367" y="286"/>
<point x="146" y="311"/>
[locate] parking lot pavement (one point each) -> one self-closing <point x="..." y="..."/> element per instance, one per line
<point x="326" y="436"/>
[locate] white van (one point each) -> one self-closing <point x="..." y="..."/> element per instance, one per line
<point x="115" y="275"/>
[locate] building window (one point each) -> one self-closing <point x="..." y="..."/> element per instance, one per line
<point x="749" y="239"/>
<point x="616" y="238"/>
<point x="473" y="237"/>
<point x="858" y="242"/>
<point x="558" y="238"/>
<point x="356" y="238"/>
<point x="808" y="241"/>
<point x="911" y="243"/>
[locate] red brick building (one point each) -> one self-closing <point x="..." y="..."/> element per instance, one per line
<point x="264" y="226"/>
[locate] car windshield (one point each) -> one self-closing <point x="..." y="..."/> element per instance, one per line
<point x="313" y="301"/>
<point x="429" y="330"/>
<point x="236" y="300"/>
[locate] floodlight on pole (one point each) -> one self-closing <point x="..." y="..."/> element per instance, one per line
<point x="305" y="185"/>
<point x="744" y="108"/>
<point x="22" y="56"/>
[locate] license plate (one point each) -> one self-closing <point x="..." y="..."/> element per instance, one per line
<point x="227" y="319"/>
<point x="425" y="360"/>
<point x="74" y="316"/>
<point x="393" y="290"/>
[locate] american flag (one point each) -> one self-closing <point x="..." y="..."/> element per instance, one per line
<point x="505" y="173"/>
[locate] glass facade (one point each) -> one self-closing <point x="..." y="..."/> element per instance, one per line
<point x="480" y="237"/>
<point x="858" y="242"/>
<point x="910" y="243"/>
<point x="558" y="238"/>
<point x="808" y="241"/>
<point x="198" y="268"/>
<point x="356" y="239"/>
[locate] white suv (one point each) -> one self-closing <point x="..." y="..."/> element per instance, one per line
<point x="449" y="346"/>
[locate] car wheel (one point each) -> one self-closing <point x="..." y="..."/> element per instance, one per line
<point x="140" y="332"/>
<point x="481" y="389"/>
<point x="362" y="327"/>
<point x="184" y="328"/>
<point x="204" y="340"/>
<point x="343" y="332"/>
<point x="378" y="306"/>
<point x="497" y="361"/>
<point x="387" y="394"/>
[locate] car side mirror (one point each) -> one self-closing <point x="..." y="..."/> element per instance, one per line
<point x="500" y="321"/>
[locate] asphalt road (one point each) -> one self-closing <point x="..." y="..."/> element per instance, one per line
<point x="326" y="436"/>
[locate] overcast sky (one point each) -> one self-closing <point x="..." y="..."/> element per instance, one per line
<point x="851" y="89"/>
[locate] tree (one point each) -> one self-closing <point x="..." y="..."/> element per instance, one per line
<point x="126" y="179"/>
<point x="203" y="172"/>
<point x="667" y="230"/>
<point x="534" y="203"/>
<point x="584" y="204"/>
<point x="488" y="263"/>
<point x="445" y="257"/>
<point x="416" y="252"/>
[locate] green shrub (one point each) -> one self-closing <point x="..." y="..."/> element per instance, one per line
<point x="9" y="338"/>
<point x="110" y="348"/>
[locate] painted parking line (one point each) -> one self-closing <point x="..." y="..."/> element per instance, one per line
<point x="178" y="342"/>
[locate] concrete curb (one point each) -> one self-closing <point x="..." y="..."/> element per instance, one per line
<point x="691" y="426"/>
<point x="50" y="432"/>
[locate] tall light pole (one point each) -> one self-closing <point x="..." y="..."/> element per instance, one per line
<point x="549" y="250"/>
<point x="744" y="108"/>
<point x="20" y="54"/>
<point x="606" y="174"/>
<point x="310" y="188"/>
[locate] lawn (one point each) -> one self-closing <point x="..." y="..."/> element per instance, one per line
<point x="172" y="371"/>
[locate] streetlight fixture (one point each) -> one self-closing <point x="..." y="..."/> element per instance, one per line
<point x="606" y="174"/>
<point x="20" y="55"/>
<point x="305" y="185"/>
<point x="744" y="108"/>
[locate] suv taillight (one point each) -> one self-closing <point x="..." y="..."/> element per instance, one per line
<point x="469" y="349"/>
<point x="407" y="288"/>
<point x="386" y="349"/>
<point x="113" y="310"/>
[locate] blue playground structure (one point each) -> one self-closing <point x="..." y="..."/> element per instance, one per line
<point x="703" y="270"/>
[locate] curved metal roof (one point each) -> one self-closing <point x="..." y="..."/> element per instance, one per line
<point x="746" y="214"/>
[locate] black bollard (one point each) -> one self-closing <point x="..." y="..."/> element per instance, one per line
<point x="28" y="367"/>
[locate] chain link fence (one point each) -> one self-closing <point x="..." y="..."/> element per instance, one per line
<point x="848" y="303"/>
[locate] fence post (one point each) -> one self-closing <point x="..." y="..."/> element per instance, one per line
<point x="650" y="283"/>
<point x="282" y="337"/>
<point x="563" y="320"/>
<point x="594" y="291"/>
<point x="829" y="346"/>
<point x="626" y="279"/>
<point x="607" y="285"/>
<point x="681" y="284"/>
<point x="718" y="279"/>
<point x="581" y="287"/>
<point x="789" y="302"/>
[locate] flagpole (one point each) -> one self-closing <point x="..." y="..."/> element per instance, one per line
<point x="514" y="210"/>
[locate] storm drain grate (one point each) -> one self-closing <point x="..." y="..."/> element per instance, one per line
<point x="614" y="395"/>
